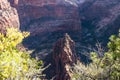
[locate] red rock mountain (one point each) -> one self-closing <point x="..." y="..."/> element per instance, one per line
<point x="45" y="18"/>
<point x="40" y="17"/>
<point x="8" y="16"/>
<point x="36" y="14"/>
<point x="87" y="21"/>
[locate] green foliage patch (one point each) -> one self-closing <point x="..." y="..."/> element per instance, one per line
<point x="15" y="64"/>
<point x="106" y="67"/>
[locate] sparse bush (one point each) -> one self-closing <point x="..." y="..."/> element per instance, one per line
<point x="105" y="67"/>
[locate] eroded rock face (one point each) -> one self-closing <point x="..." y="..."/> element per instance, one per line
<point x="100" y="19"/>
<point x="46" y="19"/>
<point x="65" y="57"/>
<point x="37" y="14"/>
<point x="87" y="21"/>
<point x="41" y="17"/>
<point x="8" y="16"/>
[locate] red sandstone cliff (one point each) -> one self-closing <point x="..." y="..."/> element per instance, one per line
<point x="8" y="16"/>
<point x="45" y="18"/>
<point x="42" y="15"/>
<point x="32" y="11"/>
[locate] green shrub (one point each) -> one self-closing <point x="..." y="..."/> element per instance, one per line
<point x="106" y="67"/>
<point x="15" y="64"/>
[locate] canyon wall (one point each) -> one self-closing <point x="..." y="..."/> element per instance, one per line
<point x="46" y="19"/>
<point x="8" y="16"/>
<point x="100" y="19"/>
<point x="87" y="21"/>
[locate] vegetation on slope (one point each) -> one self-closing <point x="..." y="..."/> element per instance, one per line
<point x="104" y="66"/>
<point x="18" y="65"/>
<point x="15" y="64"/>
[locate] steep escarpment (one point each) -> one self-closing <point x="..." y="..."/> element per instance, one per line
<point x="8" y="16"/>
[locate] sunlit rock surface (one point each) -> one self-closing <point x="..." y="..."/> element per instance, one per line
<point x="8" y="16"/>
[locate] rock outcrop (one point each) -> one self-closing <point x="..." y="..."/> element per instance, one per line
<point x="8" y="16"/>
<point x="61" y="60"/>
<point x="64" y="57"/>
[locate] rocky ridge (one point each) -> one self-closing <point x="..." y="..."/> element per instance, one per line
<point x="62" y="59"/>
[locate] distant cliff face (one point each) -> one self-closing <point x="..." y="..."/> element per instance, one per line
<point x="47" y="14"/>
<point x="100" y="18"/>
<point x="47" y="18"/>
<point x="8" y="16"/>
<point x="89" y="20"/>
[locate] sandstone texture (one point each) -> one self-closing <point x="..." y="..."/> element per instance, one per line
<point x="89" y="20"/>
<point x="8" y="16"/>
<point x="46" y="14"/>
<point x="63" y="59"/>
<point x="46" y="19"/>
<point x="86" y="21"/>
